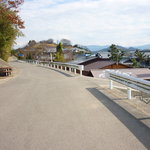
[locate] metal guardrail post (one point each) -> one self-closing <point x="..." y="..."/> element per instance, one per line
<point x="75" y="71"/>
<point x="58" y="65"/>
<point x="129" y="93"/>
<point x="81" y="68"/>
<point x="129" y="81"/>
<point x="69" y="69"/>
<point x="111" y="84"/>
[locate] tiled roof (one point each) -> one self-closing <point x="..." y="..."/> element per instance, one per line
<point x="98" y="64"/>
<point x="81" y="59"/>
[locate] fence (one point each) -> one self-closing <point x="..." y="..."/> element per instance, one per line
<point x="129" y="81"/>
<point x="63" y="66"/>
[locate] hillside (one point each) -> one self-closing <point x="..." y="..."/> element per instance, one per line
<point x="105" y="48"/>
<point x="96" y="47"/>
<point x="119" y="47"/>
<point x="46" y="45"/>
<point x="142" y="47"/>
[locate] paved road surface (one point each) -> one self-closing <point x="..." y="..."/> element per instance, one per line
<point x="43" y="109"/>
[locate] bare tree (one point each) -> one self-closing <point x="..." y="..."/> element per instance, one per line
<point x="65" y="42"/>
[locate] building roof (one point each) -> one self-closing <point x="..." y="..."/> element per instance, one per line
<point x="94" y="62"/>
<point x="81" y="58"/>
<point x="4" y="64"/>
<point x="50" y="49"/>
<point x="103" y="54"/>
<point x="98" y="64"/>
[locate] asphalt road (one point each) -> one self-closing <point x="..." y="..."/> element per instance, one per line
<point x="44" y="109"/>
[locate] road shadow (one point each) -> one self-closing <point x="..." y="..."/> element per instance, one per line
<point x="140" y="130"/>
<point x="63" y="73"/>
<point x="146" y="118"/>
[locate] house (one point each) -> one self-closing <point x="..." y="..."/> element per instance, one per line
<point x="127" y="61"/>
<point x="38" y="52"/>
<point x="147" y="54"/>
<point x="100" y="63"/>
<point x="5" y="68"/>
<point x="68" y="55"/>
<point x="103" y="54"/>
<point x="95" y="62"/>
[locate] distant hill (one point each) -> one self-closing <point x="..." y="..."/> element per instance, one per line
<point x="142" y="47"/>
<point x="96" y="47"/>
<point x="132" y="48"/>
<point x="106" y="47"/>
<point x="47" y="45"/>
<point x="82" y="47"/>
<point x="119" y="47"/>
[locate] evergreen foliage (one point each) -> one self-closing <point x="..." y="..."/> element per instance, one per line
<point x="115" y="54"/>
<point x="140" y="58"/>
<point x="59" y="53"/>
<point x="135" y="64"/>
<point x="29" y="57"/>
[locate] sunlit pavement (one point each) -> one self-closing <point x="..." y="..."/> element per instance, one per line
<point x="44" y="109"/>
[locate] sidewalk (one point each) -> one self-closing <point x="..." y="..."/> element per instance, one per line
<point x="135" y="106"/>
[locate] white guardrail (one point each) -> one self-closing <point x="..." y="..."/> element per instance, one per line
<point x="59" y="65"/>
<point x="129" y="81"/>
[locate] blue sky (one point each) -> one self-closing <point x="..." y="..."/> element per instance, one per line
<point x="87" y="22"/>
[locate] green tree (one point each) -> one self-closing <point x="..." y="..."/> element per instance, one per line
<point x="13" y="52"/>
<point x="135" y="63"/>
<point x="29" y="57"/>
<point x="10" y="25"/>
<point x="140" y="56"/>
<point x="115" y="53"/>
<point x="59" y="48"/>
<point x="7" y="37"/>
<point x="59" y="53"/>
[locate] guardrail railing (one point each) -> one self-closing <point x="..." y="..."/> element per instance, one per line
<point x="58" y="65"/>
<point x="129" y="81"/>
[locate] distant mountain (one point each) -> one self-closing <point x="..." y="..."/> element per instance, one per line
<point x="105" y="48"/>
<point x="119" y="47"/>
<point x="96" y="47"/>
<point x="132" y="48"/>
<point x="82" y="47"/>
<point x="142" y="47"/>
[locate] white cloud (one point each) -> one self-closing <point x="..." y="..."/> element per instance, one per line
<point x="123" y="22"/>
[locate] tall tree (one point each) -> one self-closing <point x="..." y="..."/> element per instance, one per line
<point x="135" y="64"/>
<point x="10" y="25"/>
<point x="140" y="56"/>
<point x="59" y="53"/>
<point x="65" y="42"/>
<point x="115" y="54"/>
<point x="59" y="48"/>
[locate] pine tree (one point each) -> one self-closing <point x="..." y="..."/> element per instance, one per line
<point x="59" y="53"/>
<point x="140" y="56"/>
<point x="115" y="54"/>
